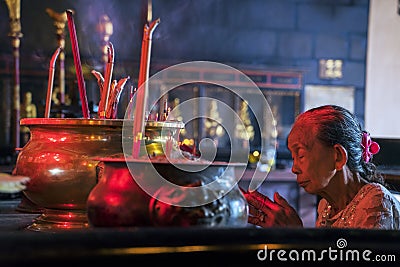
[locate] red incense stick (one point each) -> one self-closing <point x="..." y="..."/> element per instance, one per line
<point x="50" y="82"/>
<point x="104" y="101"/>
<point x="141" y="98"/>
<point x="78" y="66"/>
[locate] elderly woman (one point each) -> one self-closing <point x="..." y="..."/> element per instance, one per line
<point x="331" y="158"/>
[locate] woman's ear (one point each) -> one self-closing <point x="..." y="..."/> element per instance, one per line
<point x="340" y="156"/>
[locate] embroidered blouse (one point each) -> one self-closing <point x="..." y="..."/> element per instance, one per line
<point x="374" y="206"/>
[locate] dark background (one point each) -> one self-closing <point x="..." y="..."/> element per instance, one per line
<point x="257" y="34"/>
<point x="284" y="34"/>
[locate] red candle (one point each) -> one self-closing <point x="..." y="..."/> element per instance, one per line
<point x="78" y="66"/>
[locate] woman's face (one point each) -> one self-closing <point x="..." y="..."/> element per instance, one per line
<point x="313" y="162"/>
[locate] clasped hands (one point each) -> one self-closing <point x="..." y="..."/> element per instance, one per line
<point x="265" y="212"/>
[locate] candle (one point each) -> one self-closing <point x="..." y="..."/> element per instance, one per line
<point x="78" y="66"/>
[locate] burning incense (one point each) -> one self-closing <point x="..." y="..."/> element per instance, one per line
<point x="50" y="82"/>
<point x="165" y="111"/>
<point x="141" y="99"/>
<point x="78" y="66"/>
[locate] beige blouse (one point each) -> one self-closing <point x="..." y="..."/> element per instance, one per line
<point x="374" y="206"/>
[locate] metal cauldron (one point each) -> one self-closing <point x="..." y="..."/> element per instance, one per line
<point x="119" y="199"/>
<point x="61" y="159"/>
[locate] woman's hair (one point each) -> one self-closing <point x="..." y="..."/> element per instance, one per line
<point x="336" y="125"/>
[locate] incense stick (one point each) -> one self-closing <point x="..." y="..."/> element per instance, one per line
<point x="50" y="82"/>
<point x="113" y="99"/>
<point x="107" y="82"/>
<point x="141" y="97"/>
<point x="78" y="66"/>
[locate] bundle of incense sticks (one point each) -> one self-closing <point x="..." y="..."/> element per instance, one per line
<point x="164" y="116"/>
<point x="110" y="90"/>
<point x="113" y="99"/>
<point x="78" y="66"/>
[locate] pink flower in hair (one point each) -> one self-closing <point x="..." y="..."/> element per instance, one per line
<point x="369" y="147"/>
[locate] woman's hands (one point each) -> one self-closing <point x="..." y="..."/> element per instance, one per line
<point x="267" y="213"/>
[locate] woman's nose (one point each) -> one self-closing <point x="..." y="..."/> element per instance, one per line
<point x="295" y="169"/>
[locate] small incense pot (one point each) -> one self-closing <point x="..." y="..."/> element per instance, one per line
<point x="155" y="190"/>
<point x="118" y="200"/>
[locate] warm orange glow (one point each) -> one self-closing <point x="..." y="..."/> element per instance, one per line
<point x="189" y="249"/>
<point x="188" y="142"/>
<point x="61" y="139"/>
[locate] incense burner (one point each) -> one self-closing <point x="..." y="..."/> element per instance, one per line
<point x="61" y="160"/>
<point x="121" y="199"/>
